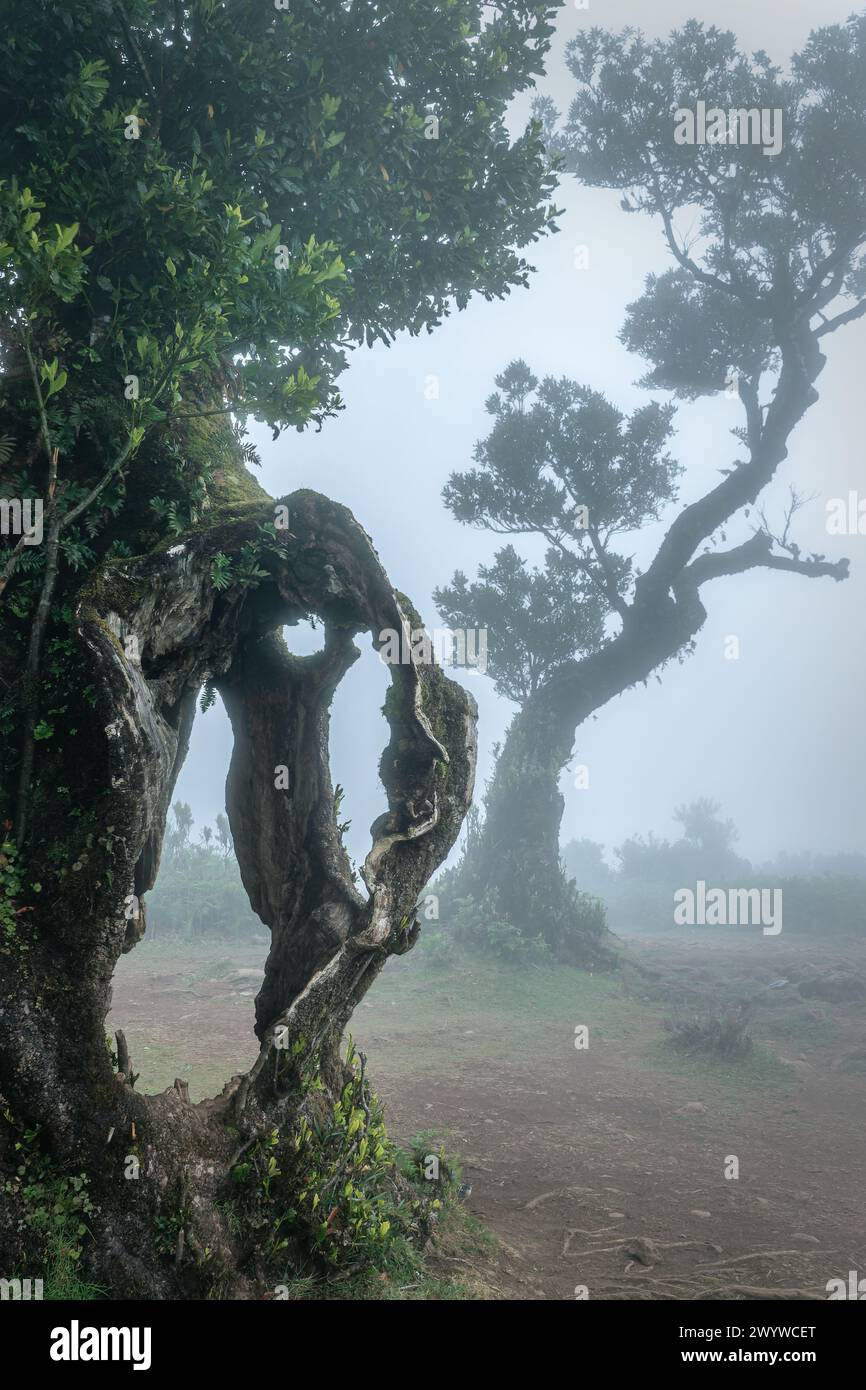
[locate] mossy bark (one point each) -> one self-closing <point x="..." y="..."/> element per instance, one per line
<point x="145" y="634"/>
<point x="512" y="864"/>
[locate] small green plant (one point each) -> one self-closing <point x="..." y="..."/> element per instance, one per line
<point x="54" y="1210"/>
<point x="428" y="1165"/>
<point x="168" y="1229"/>
<point x="208" y="696"/>
<point x="482" y="929"/>
<point x="336" y="1186"/>
<point x="438" y="948"/>
<point x="220" y="571"/>
<point x="170" y="1224"/>
<point x="347" y="1198"/>
<point x="339" y="794"/>
<point x="244" y="571"/>
<point x="12" y="885"/>
<point x="722" y="1035"/>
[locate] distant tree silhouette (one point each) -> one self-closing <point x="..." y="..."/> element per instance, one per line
<point x="775" y="268"/>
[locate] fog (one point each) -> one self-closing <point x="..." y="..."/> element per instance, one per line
<point x="775" y="735"/>
<point x="248" y="1054"/>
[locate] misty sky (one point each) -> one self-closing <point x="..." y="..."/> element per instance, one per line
<point x="777" y="736"/>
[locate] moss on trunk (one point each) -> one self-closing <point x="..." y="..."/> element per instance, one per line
<point x="166" y="1214"/>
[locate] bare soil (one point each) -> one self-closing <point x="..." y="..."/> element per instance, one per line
<point x="599" y="1169"/>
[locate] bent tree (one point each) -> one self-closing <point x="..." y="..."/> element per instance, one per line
<point x="203" y="206"/>
<point x="563" y="462"/>
<point x="163" y="1214"/>
<point x="771" y="268"/>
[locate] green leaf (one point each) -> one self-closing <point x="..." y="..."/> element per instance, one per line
<point x="66" y="235"/>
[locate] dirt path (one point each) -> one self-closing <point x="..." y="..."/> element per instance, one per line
<point x="571" y="1152"/>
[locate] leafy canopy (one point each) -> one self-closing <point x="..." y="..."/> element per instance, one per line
<point x="561" y="462"/>
<point x="548" y="616"/>
<point x="772" y="261"/>
<point x="220" y="197"/>
<point x="773" y="241"/>
<point x="204" y="204"/>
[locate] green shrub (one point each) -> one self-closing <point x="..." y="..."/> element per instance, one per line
<point x="722" y="1035"/>
<point x="437" y="948"/>
<point x="52" y="1212"/>
<point x="333" y="1190"/>
<point x="477" y="927"/>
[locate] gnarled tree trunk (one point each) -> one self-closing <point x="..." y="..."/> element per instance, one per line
<point x="520" y="833"/>
<point x="512" y="864"/>
<point x="147" y="634"/>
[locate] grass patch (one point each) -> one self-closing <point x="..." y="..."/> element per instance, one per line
<point x="429" y="1016"/>
<point x="63" y="1280"/>
<point x="460" y="1239"/>
<point x="480" y="1008"/>
<point x="798" y="1023"/>
<point x="755" y="1071"/>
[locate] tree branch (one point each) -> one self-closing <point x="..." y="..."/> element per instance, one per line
<point x="617" y="602"/>
<point x="824" y="268"/>
<point x="137" y="53"/>
<point x="106" y="478"/>
<point x="714" y="282"/>
<point x="757" y="553"/>
<point x="795" y="392"/>
<point x="849" y="316"/>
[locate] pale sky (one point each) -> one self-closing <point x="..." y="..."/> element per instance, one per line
<point x="777" y="736"/>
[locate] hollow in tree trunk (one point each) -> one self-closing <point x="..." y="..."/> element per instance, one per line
<point x="228" y="1196"/>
